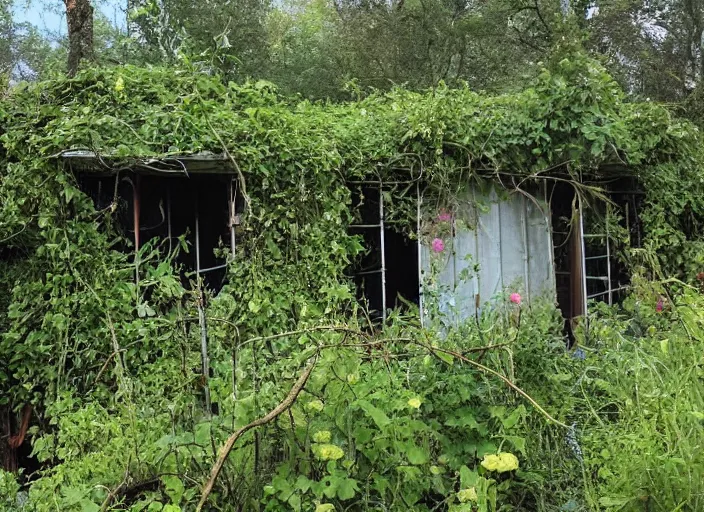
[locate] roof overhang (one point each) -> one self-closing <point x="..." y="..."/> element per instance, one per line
<point x="83" y="161"/>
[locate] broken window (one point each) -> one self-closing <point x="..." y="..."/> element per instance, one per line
<point x="386" y="276"/>
<point x="192" y="213"/>
<point x="590" y="241"/>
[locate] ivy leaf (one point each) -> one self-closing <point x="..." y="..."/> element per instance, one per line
<point x="512" y="419"/>
<point x="347" y="488"/>
<point x="468" y="478"/>
<point x="518" y="442"/>
<point x="447" y="358"/>
<point x="416" y="455"/>
<point x="303" y="483"/>
<point x="173" y="487"/>
<point x="202" y="436"/>
<point x="376" y="414"/>
<point x="254" y="307"/>
<point x="295" y="502"/>
<point x="89" y="506"/>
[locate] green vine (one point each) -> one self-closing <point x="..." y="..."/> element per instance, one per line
<point x="112" y="367"/>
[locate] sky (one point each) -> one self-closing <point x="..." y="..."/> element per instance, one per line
<point x="48" y="15"/>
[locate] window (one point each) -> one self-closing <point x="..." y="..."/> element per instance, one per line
<point x="387" y="275"/>
<point x="589" y="243"/>
<point x="198" y="207"/>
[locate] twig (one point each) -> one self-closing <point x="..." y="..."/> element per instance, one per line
<point x="121" y="370"/>
<point x="13" y="235"/>
<point x="112" y="494"/>
<point x="304" y="331"/>
<point x="105" y="365"/>
<point x="225" y="450"/>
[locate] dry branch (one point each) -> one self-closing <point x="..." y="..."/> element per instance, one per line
<point x="225" y="450"/>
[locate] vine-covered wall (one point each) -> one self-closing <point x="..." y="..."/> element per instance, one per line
<point x="76" y="331"/>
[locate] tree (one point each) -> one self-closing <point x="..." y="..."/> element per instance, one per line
<point x="233" y="30"/>
<point x="79" y="17"/>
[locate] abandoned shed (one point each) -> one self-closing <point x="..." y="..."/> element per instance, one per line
<point x="458" y="237"/>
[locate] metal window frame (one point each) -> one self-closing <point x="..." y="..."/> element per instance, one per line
<point x="607" y="279"/>
<point x="381" y="227"/>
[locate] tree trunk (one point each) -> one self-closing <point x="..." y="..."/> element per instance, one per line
<point x="79" y="16"/>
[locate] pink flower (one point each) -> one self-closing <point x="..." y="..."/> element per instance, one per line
<point x="444" y="216"/>
<point x="515" y="298"/>
<point x="659" y="305"/>
<point x="438" y="245"/>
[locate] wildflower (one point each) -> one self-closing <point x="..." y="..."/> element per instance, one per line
<point x="120" y="84"/>
<point x="352" y="378"/>
<point x="328" y="451"/>
<point x="322" y="436"/>
<point x="444" y="216"/>
<point x="434" y="470"/>
<point x="515" y="298"/>
<point x="315" y="405"/>
<point x="325" y="507"/>
<point x="659" y="305"/>
<point x="501" y="462"/>
<point x="414" y="402"/>
<point x="579" y="354"/>
<point x="466" y="495"/>
<point x="438" y="245"/>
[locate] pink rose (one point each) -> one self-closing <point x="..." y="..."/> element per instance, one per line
<point x="444" y="216"/>
<point x="515" y="298"/>
<point x="438" y="245"/>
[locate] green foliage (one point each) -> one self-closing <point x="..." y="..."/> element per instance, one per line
<point x="386" y="422"/>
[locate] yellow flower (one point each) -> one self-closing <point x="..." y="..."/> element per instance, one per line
<point x="500" y="463"/>
<point x="323" y="436"/>
<point x="466" y="495"/>
<point x="352" y="379"/>
<point x="315" y="405"/>
<point x="328" y="451"/>
<point x="325" y="507"/>
<point x="414" y="402"/>
<point x="120" y="84"/>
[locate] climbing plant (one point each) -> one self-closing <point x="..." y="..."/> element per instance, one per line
<point x="400" y="419"/>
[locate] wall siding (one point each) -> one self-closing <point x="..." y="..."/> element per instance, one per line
<point x="510" y="240"/>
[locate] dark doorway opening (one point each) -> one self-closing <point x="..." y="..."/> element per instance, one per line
<point x="588" y="243"/>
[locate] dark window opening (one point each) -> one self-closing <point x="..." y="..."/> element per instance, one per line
<point x="196" y="208"/>
<point x="561" y="196"/>
<point x="13" y="426"/>
<point x="386" y="275"/>
<point x="588" y="247"/>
